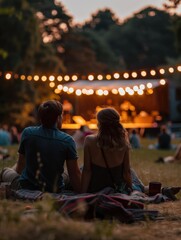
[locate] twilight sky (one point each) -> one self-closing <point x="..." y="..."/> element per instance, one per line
<point x="81" y="10"/>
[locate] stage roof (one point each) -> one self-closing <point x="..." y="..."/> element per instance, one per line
<point x="110" y="84"/>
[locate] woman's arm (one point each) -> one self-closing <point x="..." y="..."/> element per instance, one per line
<point x="126" y="169"/>
<point x="86" y="173"/>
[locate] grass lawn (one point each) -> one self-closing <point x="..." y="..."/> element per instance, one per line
<point x="20" y="220"/>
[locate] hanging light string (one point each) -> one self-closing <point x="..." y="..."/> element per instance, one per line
<point x="59" y="81"/>
<point x="141" y="74"/>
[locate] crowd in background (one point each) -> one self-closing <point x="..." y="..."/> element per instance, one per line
<point x="9" y="135"/>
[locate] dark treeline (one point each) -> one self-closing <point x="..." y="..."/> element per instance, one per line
<point x="38" y="37"/>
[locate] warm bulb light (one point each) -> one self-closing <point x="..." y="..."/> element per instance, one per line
<point x="99" y="77"/>
<point x="90" y="77"/>
<point x="171" y="69"/>
<point x="22" y="77"/>
<point x="36" y="77"/>
<point x="153" y="72"/>
<point x="78" y="92"/>
<point x="8" y="76"/>
<point x="179" y="68"/>
<point x="29" y="77"/>
<point x="114" y="91"/>
<point x="134" y="74"/>
<point x="126" y="75"/>
<point x="74" y="78"/>
<point x="66" y="78"/>
<point x="43" y="78"/>
<point x="108" y="77"/>
<point x="59" y="78"/>
<point x="51" y="78"/>
<point x="52" y="84"/>
<point x="60" y="87"/>
<point x="106" y="92"/>
<point x="162" y="71"/>
<point x="162" y="82"/>
<point x="116" y="75"/>
<point x="143" y="73"/>
<point x="149" y="85"/>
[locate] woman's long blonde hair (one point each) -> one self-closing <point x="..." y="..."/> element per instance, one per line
<point x="111" y="134"/>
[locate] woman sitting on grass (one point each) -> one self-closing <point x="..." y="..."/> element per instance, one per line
<point x="106" y="155"/>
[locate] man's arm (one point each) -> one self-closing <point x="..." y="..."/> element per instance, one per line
<point x="20" y="163"/>
<point x="74" y="175"/>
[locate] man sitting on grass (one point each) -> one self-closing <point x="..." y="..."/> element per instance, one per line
<point x="42" y="152"/>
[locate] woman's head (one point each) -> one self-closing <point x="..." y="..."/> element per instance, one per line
<point x="49" y="112"/>
<point x="111" y="133"/>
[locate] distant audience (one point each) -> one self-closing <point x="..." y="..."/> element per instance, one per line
<point x="5" y="138"/>
<point x="79" y="136"/>
<point x="171" y="159"/>
<point x="164" y="141"/>
<point x="134" y="139"/>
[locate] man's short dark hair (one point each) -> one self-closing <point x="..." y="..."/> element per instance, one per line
<point x="49" y="111"/>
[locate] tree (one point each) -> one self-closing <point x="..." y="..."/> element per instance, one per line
<point x="143" y="39"/>
<point x="102" y="20"/>
<point x="20" y="47"/>
<point x="19" y="39"/>
<point x="54" y="23"/>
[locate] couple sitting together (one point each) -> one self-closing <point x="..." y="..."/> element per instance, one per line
<point x="45" y="149"/>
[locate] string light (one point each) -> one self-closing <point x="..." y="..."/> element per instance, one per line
<point x="171" y="69"/>
<point x="78" y="92"/>
<point x="66" y="78"/>
<point x="44" y="78"/>
<point x="153" y="72"/>
<point x="90" y="77"/>
<point x="74" y="78"/>
<point x="99" y="77"/>
<point x="179" y="68"/>
<point x="29" y="77"/>
<point x="36" y="77"/>
<point x="134" y="74"/>
<point x="143" y="73"/>
<point x="51" y="78"/>
<point x="162" y="71"/>
<point x="52" y="84"/>
<point x="8" y="76"/>
<point x="60" y="87"/>
<point x="162" y="82"/>
<point x="126" y="75"/>
<point x="149" y="85"/>
<point x="108" y="77"/>
<point x="114" y="91"/>
<point x="22" y="77"/>
<point x="59" y="78"/>
<point x="116" y="75"/>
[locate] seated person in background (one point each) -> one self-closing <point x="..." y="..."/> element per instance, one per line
<point x="43" y="151"/>
<point x="171" y="159"/>
<point x="134" y="139"/>
<point x="5" y="139"/>
<point x="79" y="136"/>
<point x="106" y="155"/>
<point x="164" y="139"/>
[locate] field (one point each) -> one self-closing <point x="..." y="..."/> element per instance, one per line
<point x="26" y="220"/>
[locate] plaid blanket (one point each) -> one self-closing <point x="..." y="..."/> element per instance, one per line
<point x="102" y="205"/>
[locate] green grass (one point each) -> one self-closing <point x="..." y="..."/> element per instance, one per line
<point x="19" y="220"/>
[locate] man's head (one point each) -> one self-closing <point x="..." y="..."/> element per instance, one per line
<point x="49" y="112"/>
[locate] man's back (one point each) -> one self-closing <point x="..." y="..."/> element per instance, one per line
<point x="45" y="150"/>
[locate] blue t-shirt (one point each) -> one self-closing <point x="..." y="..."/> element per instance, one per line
<point x="45" y="151"/>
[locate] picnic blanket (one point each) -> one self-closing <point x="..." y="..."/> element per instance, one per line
<point x="101" y="205"/>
